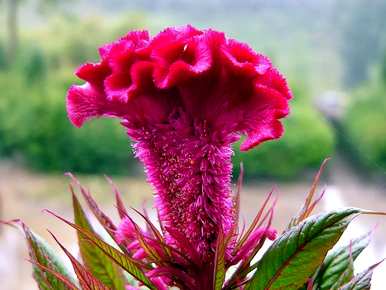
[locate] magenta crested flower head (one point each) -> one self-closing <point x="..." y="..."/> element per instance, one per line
<point x="184" y="97"/>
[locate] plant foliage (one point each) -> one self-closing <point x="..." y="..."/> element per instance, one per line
<point x="303" y="257"/>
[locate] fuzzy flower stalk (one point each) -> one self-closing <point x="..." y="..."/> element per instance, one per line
<point x="184" y="97"/>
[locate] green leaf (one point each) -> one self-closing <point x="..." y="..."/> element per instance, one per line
<point x="337" y="268"/>
<point x="126" y="262"/>
<point x="103" y="219"/>
<point x="69" y="284"/>
<point x="86" y="278"/>
<point x="43" y="256"/>
<point x="94" y="259"/>
<point x="361" y="281"/>
<point x="345" y="277"/>
<point x="295" y="255"/>
<point x="219" y="266"/>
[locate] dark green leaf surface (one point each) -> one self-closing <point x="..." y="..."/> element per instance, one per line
<point x="295" y="255"/>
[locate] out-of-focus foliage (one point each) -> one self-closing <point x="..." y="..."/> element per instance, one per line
<point x="34" y="66"/>
<point x="383" y="69"/>
<point x="2" y="57"/>
<point x="365" y="125"/>
<point x="308" y="138"/>
<point x="33" y="125"/>
<point x="33" y="122"/>
<point x="363" y="36"/>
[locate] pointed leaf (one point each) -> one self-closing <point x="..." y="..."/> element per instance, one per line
<point x="256" y="221"/>
<point x="345" y="277"/>
<point x="338" y="261"/>
<point x="361" y="281"/>
<point x="42" y="254"/>
<point x="239" y="277"/>
<point x="94" y="259"/>
<point x="122" y="211"/>
<point x="103" y="219"/>
<point x="236" y="197"/>
<point x="86" y="279"/>
<point x="309" y="203"/>
<point x="124" y="261"/>
<point x="294" y="256"/>
<point x="59" y="276"/>
<point x="219" y="262"/>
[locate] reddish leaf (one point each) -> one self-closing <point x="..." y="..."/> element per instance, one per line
<point x="122" y="211"/>
<point x="102" y="218"/>
<point x="309" y="203"/>
<point x="86" y="279"/>
<point x="254" y="224"/>
<point x="67" y="282"/>
<point x="219" y="262"/>
<point x="129" y="264"/>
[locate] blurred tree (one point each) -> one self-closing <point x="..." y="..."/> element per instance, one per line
<point x="12" y="28"/>
<point x="2" y="56"/>
<point x="12" y="25"/>
<point x="35" y="67"/>
<point x="363" y="36"/>
<point x="383" y="68"/>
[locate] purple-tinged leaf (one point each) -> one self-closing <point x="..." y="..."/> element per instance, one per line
<point x="151" y="227"/>
<point x="160" y="240"/>
<point x="94" y="259"/>
<point x="86" y="279"/>
<point x="179" y="276"/>
<point x="254" y="223"/>
<point x="41" y="253"/>
<point x="143" y="242"/>
<point x="239" y="277"/>
<point x="309" y="203"/>
<point x="361" y="281"/>
<point x="310" y="284"/>
<point x="185" y="245"/>
<point x="67" y="282"/>
<point x="122" y="211"/>
<point x="236" y="199"/>
<point x="104" y="220"/>
<point x="219" y="262"/>
<point x="132" y="266"/>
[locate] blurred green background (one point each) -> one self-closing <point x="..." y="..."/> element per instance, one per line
<point x="333" y="53"/>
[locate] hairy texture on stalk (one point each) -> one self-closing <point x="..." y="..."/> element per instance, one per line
<point x="190" y="169"/>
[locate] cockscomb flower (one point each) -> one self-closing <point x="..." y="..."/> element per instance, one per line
<point x="184" y="97"/>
